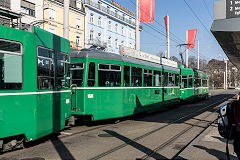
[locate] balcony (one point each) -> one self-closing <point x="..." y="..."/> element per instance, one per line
<point x="109" y="12"/>
<point x="96" y="42"/>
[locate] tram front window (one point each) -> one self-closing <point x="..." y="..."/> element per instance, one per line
<point x="77" y="70"/>
<point x="11" y="65"/>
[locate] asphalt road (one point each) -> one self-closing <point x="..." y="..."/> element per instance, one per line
<point x="173" y="133"/>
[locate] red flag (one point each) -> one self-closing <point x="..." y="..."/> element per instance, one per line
<point x="166" y="24"/>
<point x="191" y="38"/>
<point x="146" y="11"/>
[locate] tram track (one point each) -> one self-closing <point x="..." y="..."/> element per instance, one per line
<point x="99" y="156"/>
<point x="171" y="140"/>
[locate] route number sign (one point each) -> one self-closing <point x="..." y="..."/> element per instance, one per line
<point x="233" y="8"/>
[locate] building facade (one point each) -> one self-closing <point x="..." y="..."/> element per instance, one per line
<point x="108" y="25"/>
<point x="53" y="16"/>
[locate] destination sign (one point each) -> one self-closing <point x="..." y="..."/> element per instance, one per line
<point x="233" y="8"/>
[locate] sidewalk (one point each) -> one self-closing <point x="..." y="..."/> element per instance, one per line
<point x="209" y="145"/>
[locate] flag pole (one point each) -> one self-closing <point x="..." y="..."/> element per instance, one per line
<point x="137" y="26"/>
<point x="187" y="49"/>
<point x="168" y="39"/>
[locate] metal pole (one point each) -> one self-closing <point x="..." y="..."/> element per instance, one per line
<point x="187" y="49"/>
<point x="224" y="83"/>
<point x="137" y="26"/>
<point x="226" y="76"/>
<point x="66" y="19"/>
<point x="168" y="39"/>
<point x="198" y="57"/>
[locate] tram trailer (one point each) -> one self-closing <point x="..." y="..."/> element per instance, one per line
<point x="113" y="86"/>
<point x="35" y="99"/>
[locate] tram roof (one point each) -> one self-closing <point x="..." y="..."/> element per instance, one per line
<point x="113" y="56"/>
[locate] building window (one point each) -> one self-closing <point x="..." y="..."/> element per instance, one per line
<point x="130" y="20"/>
<point x="130" y="45"/>
<point x="110" y="25"/>
<point x="79" y="4"/>
<point x="91" y="36"/>
<point x="28" y="8"/>
<point x="91" y="18"/>
<point x="116" y="13"/>
<point x="130" y="33"/>
<point x="124" y="17"/>
<point x="11" y="65"/>
<point x="78" y="22"/>
<point x="99" y="21"/>
<point x="52" y="13"/>
<point x="110" y="41"/>
<point x="99" y="5"/>
<point x="5" y="4"/>
<point x="116" y="28"/>
<point x="52" y="28"/>
<point x="122" y="43"/>
<point x="122" y="30"/>
<point x="99" y="38"/>
<point x="108" y="9"/>
<point x="78" y="39"/>
<point x="116" y="43"/>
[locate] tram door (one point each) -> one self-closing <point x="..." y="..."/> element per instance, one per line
<point x="77" y="70"/>
<point x="74" y="97"/>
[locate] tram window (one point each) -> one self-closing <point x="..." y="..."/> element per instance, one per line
<point x="77" y="70"/>
<point x="184" y="82"/>
<point x="147" y="80"/>
<point x="45" y="69"/>
<point x="165" y="78"/>
<point x="126" y="82"/>
<point x="176" y="79"/>
<point x="157" y="78"/>
<point x="62" y="70"/>
<point x="115" y="67"/>
<point x="91" y="75"/>
<point x="11" y="65"/>
<point x="198" y="82"/>
<point x="190" y="81"/>
<point x="136" y="76"/>
<point x="104" y="66"/>
<point x="204" y="83"/>
<point x="109" y="77"/>
<point x="171" y="79"/>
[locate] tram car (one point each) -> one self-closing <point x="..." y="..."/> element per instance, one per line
<point x="194" y="84"/>
<point x="34" y="88"/>
<point x="110" y="85"/>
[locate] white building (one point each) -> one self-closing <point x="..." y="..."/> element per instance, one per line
<point x="21" y="12"/>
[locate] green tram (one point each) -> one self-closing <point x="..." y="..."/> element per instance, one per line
<point x="194" y="84"/>
<point x="34" y="89"/>
<point x="111" y="85"/>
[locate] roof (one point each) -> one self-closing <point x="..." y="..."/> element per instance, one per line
<point x="227" y="33"/>
<point x="117" y="57"/>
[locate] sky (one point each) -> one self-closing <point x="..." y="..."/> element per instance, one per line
<point x="181" y="20"/>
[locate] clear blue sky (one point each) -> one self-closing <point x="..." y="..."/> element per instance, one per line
<point x="181" y="19"/>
